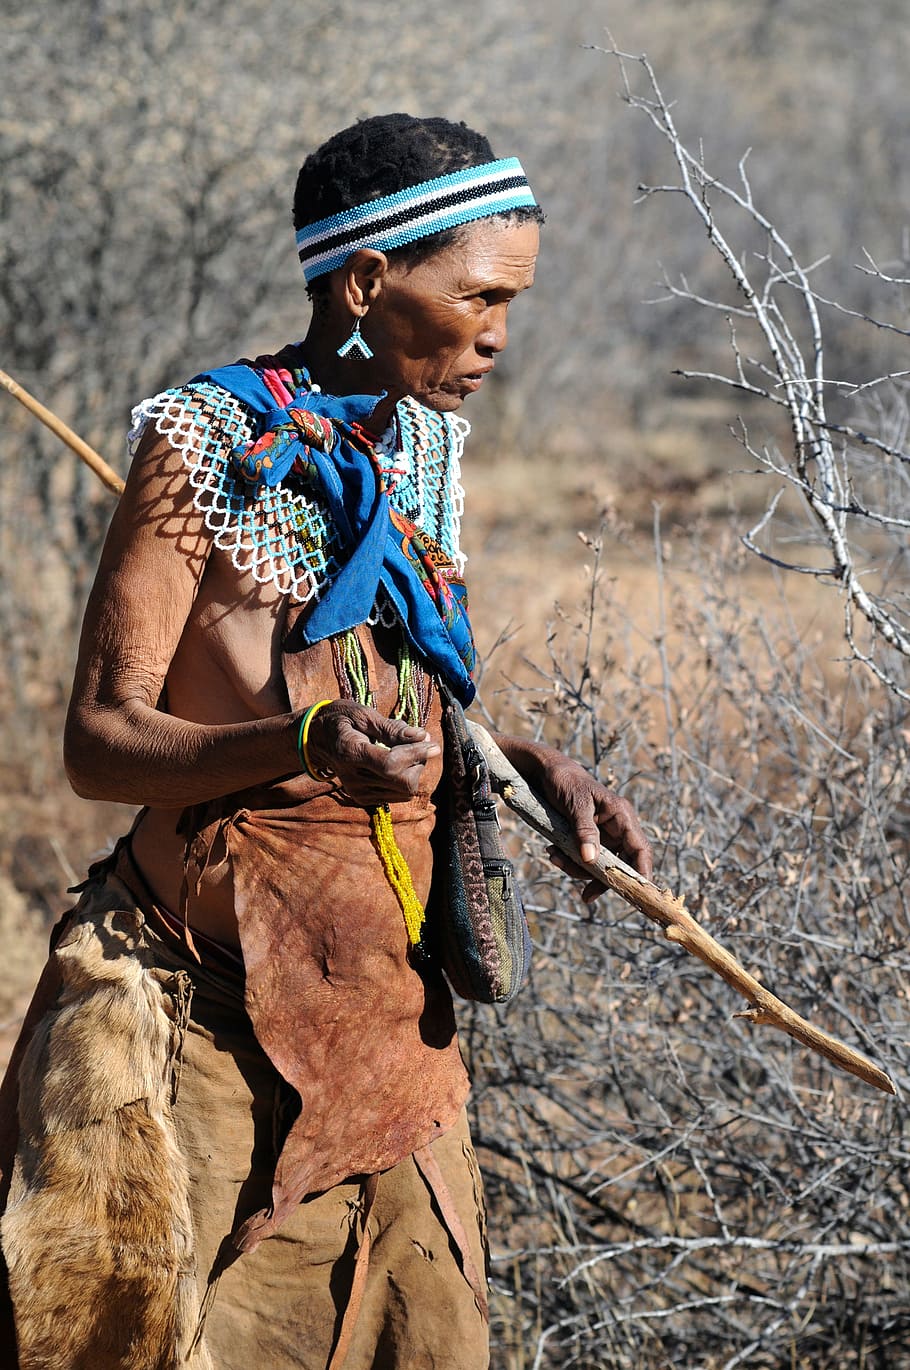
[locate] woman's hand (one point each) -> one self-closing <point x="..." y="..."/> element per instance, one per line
<point x="599" y="816"/>
<point x="376" y="760"/>
<point x="596" y="813"/>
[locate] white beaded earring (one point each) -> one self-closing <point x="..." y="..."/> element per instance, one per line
<point x="356" y="347"/>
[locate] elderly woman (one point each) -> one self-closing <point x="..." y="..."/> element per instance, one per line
<point x="241" y="1122"/>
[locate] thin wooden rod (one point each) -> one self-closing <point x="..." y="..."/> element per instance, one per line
<point x="87" y="454"/>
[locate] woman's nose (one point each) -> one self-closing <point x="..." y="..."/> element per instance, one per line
<point x="494" y="334"/>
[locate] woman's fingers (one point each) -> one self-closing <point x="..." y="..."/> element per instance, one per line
<point x="376" y="760"/>
<point x="625" y="836"/>
<point x="593" y="888"/>
<point x="598" y="816"/>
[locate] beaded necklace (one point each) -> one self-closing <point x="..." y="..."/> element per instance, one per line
<point x="284" y="537"/>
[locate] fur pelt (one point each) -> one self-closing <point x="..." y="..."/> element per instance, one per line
<point x="97" y="1233"/>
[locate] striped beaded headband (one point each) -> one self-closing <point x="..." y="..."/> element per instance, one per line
<point x="444" y="202"/>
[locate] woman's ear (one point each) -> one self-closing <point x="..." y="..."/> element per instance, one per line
<point x="363" y="278"/>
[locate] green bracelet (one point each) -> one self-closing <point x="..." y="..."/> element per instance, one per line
<point x="303" y="734"/>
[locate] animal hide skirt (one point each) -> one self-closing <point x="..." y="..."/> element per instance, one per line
<point x="149" y="1120"/>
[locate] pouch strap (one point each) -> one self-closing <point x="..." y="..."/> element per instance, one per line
<point x="359" y="1281"/>
<point x="429" y="1168"/>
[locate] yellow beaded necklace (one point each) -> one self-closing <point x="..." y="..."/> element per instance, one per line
<point x="411" y="706"/>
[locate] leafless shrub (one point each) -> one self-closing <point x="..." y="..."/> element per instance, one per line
<point x="852" y="480"/>
<point x="669" y="1187"/>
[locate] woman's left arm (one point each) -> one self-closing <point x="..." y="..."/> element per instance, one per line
<point x="599" y="815"/>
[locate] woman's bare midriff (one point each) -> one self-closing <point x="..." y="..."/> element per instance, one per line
<point x="227" y="669"/>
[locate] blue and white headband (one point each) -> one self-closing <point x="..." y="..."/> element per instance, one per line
<point x="474" y="193"/>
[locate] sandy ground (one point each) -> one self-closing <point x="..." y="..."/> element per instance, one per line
<point x="531" y="525"/>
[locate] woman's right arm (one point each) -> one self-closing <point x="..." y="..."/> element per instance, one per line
<point x="120" y="746"/>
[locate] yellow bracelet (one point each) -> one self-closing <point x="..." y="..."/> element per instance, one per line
<point x="303" y="737"/>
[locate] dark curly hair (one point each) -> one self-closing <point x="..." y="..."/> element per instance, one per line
<point x="377" y="157"/>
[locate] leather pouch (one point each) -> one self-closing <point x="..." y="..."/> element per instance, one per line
<point x="476" y="925"/>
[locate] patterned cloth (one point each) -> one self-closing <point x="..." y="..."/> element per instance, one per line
<point x="431" y="601"/>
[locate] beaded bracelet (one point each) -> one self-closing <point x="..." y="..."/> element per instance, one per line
<point x="302" y="739"/>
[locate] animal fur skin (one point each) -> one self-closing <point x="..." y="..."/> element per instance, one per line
<point x="97" y="1232"/>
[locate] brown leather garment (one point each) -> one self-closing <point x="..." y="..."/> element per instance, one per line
<point x="366" y="1040"/>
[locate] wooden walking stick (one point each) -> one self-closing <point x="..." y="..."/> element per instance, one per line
<point x="87" y="454"/>
<point x="670" y="912"/>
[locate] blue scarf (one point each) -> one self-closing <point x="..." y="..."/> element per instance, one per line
<point x="322" y="433"/>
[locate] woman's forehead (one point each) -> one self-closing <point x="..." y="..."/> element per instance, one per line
<point x="490" y="251"/>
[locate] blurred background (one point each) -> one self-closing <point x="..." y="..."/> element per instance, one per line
<point x="147" y="162"/>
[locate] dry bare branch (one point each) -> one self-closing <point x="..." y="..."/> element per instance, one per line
<point x="106" y="474"/>
<point x="783" y="305"/>
<point x="670" y="913"/>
